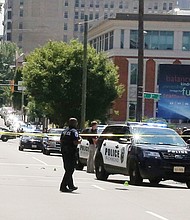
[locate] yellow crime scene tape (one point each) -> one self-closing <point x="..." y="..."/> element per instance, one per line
<point x="18" y="134"/>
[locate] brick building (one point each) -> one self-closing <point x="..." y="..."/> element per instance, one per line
<point x="166" y="41"/>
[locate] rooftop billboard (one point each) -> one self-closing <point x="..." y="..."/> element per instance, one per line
<point x="174" y="86"/>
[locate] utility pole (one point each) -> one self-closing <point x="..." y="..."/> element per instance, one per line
<point x="140" y="62"/>
<point x="84" y="76"/>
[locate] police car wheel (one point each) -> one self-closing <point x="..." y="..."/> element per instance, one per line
<point x="101" y="174"/>
<point x="4" y="138"/>
<point x="20" y="148"/>
<point x="135" y="177"/>
<point x="46" y="152"/>
<point x="79" y="165"/>
<point x="188" y="184"/>
<point x="154" y="181"/>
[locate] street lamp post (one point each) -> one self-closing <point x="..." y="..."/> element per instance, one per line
<point x="84" y="76"/>
<point x="140" y="62"/>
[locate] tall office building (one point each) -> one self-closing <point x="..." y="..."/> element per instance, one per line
<point x="31" y="23"/>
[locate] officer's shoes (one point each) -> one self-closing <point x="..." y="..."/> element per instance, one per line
<point x="66" y="190"/>
<point x="73" y="188"/>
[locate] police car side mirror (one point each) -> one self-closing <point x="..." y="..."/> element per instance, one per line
<point x="125" y="140"/>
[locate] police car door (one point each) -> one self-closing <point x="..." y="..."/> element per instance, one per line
<point x="114" y="151"/>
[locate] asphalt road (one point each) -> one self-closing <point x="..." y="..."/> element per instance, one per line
<point x="29" y="190"/>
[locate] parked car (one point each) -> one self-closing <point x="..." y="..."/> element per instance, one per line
<point x="142" y="152"/>
<point x="52" y="141"/>
<point x="6" y="134"/>
<point x="33" y="141"/>
<point x="83" y="147"/>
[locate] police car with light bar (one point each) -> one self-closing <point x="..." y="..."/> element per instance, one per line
<point x="142" y="151"/>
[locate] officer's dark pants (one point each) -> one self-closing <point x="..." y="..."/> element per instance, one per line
<point x="69" y="166"/>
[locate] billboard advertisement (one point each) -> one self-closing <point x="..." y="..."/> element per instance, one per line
<point x="174" y="86"/>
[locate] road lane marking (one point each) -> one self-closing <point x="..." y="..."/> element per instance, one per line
<point x="98" y="187"/>
<point x="156" y="215"/>
<point x="40" y="161"/>
<point x="28" y="165"/>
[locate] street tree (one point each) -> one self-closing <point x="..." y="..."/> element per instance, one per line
<point x="53" y="79"/>
<point x="8" y="51"/>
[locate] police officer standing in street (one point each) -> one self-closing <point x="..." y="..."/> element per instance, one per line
<point x="69" y="141"/>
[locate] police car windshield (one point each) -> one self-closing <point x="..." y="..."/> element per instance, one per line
<point x="157" y="136"/>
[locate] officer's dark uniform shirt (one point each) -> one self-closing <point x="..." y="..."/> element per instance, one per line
<point x="67" y="138"/>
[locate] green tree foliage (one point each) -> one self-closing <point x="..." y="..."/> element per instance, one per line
<point x="53" y="78"/>
<point x="7" y="69"/>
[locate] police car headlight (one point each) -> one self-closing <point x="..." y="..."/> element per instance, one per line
<point x="151" y="154"/>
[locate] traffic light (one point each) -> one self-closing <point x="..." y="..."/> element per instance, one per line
<point x="12" y="82"/>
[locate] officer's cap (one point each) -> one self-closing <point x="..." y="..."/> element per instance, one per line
<point x="73" y="122"/>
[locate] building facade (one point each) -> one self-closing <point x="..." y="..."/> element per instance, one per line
<point x="166" y="41"/>
<point x="31" y="23"/>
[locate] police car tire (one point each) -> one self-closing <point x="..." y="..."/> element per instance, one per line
<point x="101" y="173"/>
<point x="79" y="165"/>
<point x="20" y="148"/>
<point x="46" y="152"/>
<point x="155" y="181"/>
<point x="4" y="138"/>
<point x="188" y="184"/>
<point x="134" y="174"/>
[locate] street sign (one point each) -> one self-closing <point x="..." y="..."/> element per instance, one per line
<point x="20" y="86"/>
<point x="149" y="95"/>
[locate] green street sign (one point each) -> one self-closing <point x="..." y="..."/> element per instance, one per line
<point x="149" y="95"/>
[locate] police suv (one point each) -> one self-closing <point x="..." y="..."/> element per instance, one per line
<point x="83" y="147"/>
<point x="142" y="151"/>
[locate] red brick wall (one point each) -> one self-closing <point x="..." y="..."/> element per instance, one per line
<point x="120" y="104"/>
<point x="149" y="87"/>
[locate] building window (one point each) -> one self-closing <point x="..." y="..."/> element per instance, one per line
<point x="156" y="6"/>
<point x="96" y="15"/>
<point x="105" y="15"/>
<point x="186" y="41"/>
<point x="164" y="6"/>
<point x="91" y="4"/>
<point x="112" y="4"/>
<point x="66" y="3"/>
<point x="106" y="42"/>
<point x="135" y="6"/>
<point x="9" y="25"/>
<point x="111" y="39"/>
<point x="21" y="12"/>
<point x="76" y="15"/>
<point x="76" y="3"/>
<point x="20" y="25"/>
<point x="9" y="37"/>
<point x="20" y="37"/>
<point x="21" y="2"/>
<point x="76" y="27"/>
<point x="9" y="16"/>
<point x="82" y="15"/>
<point x="91" y="16"/>
<point x="82" y="4"/>
<point x="170" y="6"/>
<point x="66" y="14"/>
<point x="106" y="5"/>
<point x="65" y="38"/>
<point x="153" y="40"/>
<point x="65" y="27"/>
<point x="122" y="39"/>
<point x="97" y="4"/>
<point x="133" y="74"/>
<point x="121" y="4"/>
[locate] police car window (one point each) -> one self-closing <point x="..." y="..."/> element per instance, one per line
<point x="116" y="132"/>
<point x="145" y="135"/>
